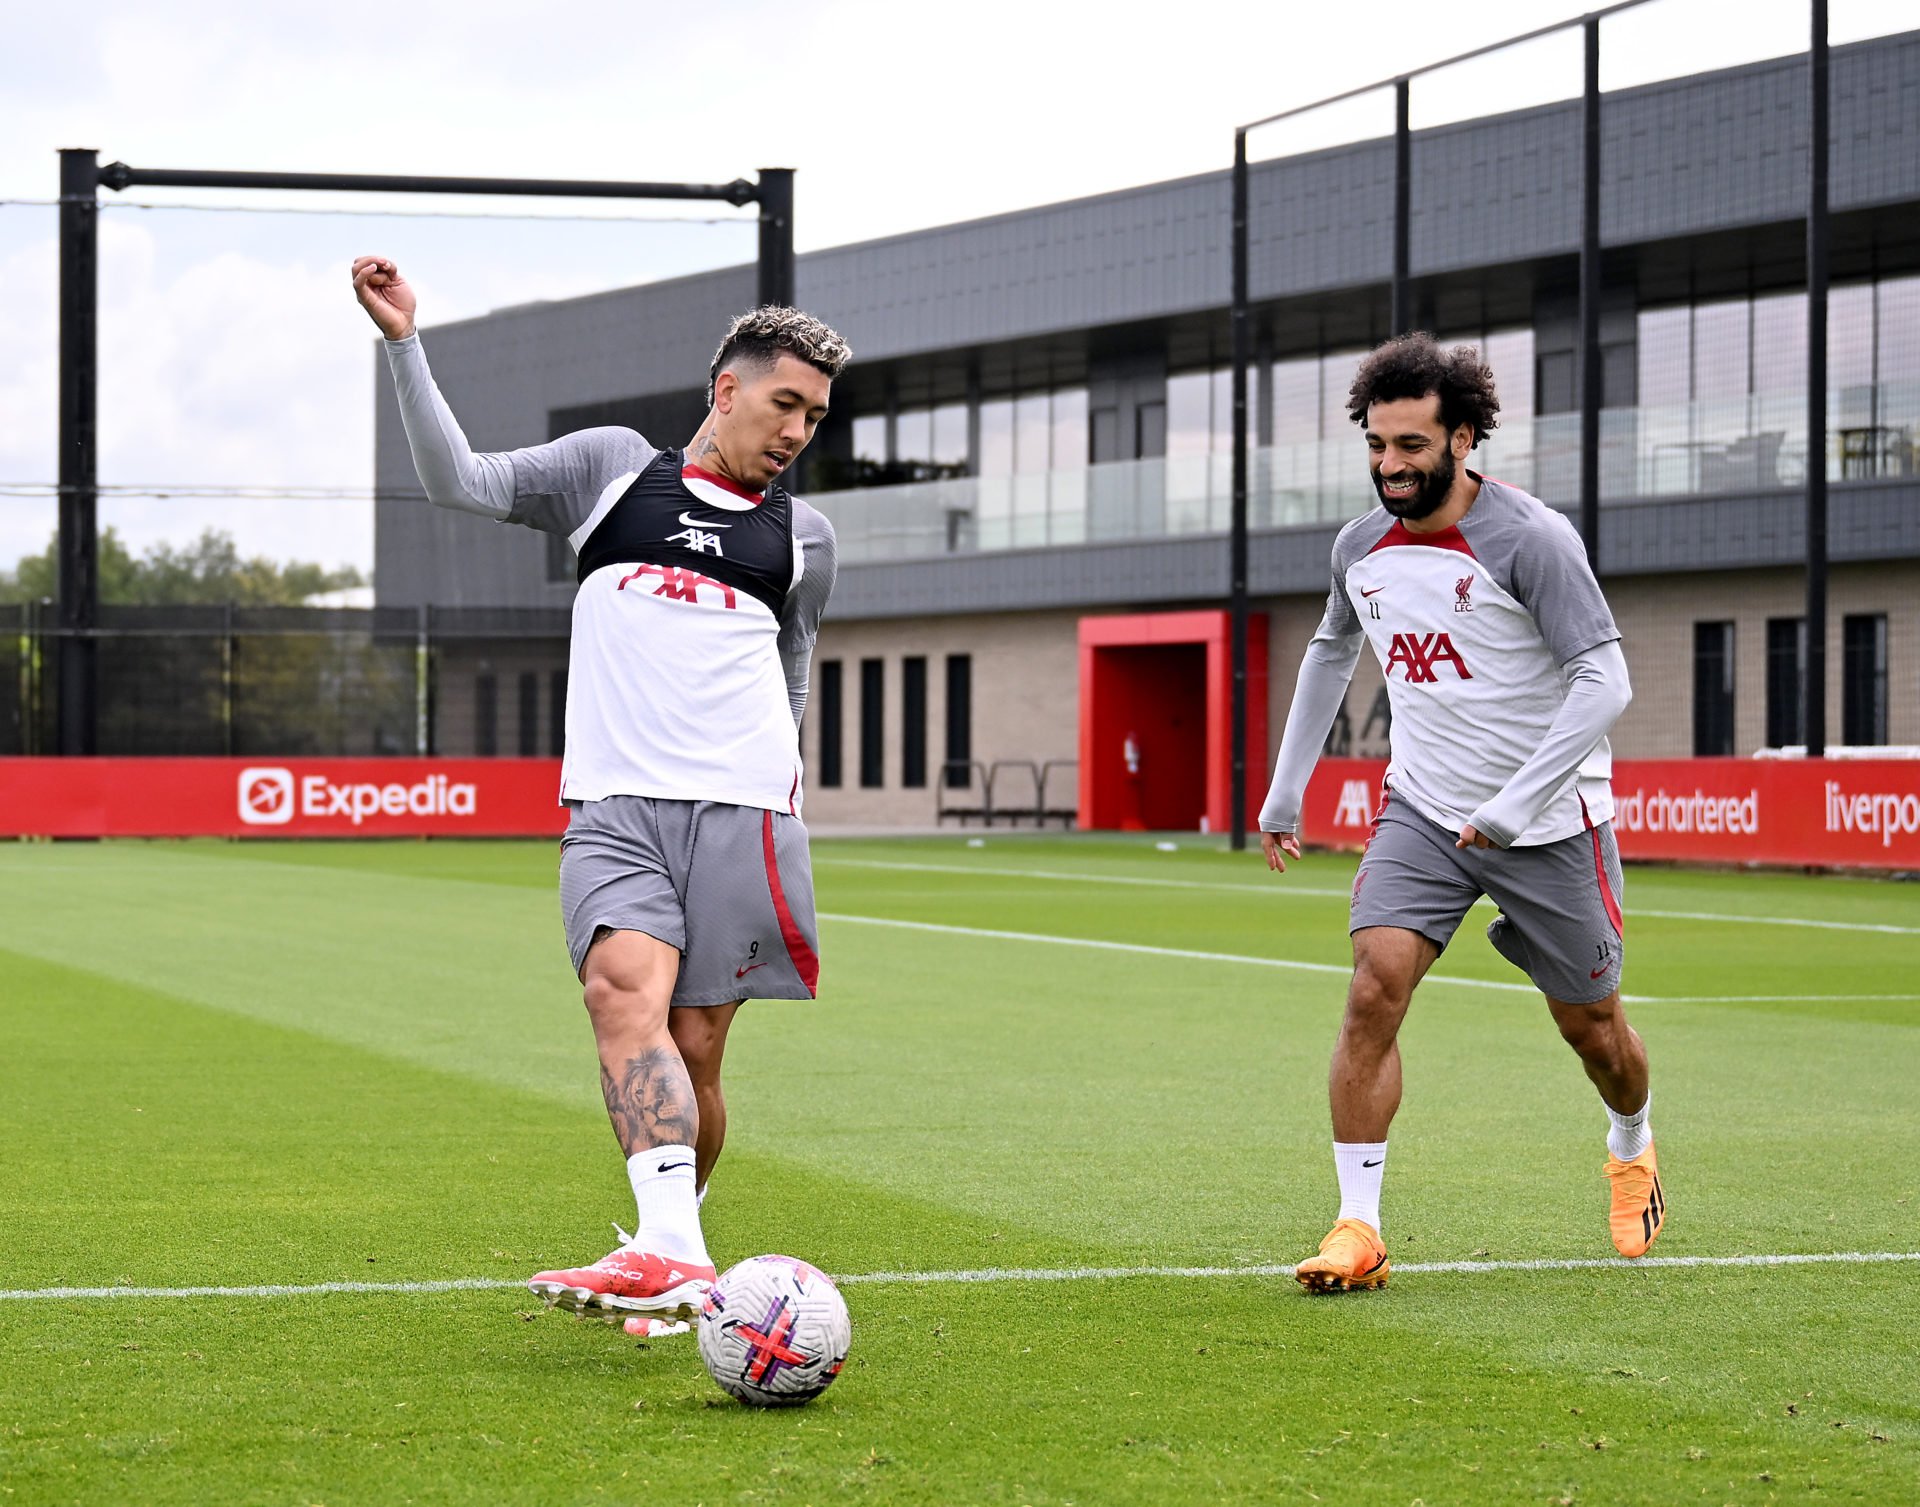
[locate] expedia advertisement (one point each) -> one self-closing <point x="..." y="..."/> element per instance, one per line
<point x="287" y="798"/>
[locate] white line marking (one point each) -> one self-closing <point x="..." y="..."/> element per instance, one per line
<point x="1341" y="969"/>
<point x="1288" y="887"/>
<point x="1763" y="999"/>
<point x="992" y="1274"/>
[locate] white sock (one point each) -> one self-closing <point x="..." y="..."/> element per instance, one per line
<point x="1630" y="1134"/>
<point x="662" y="1178"/>
<point x="1360" y="1165"/>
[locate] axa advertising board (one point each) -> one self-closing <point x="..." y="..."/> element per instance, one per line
<point x="1855" y="813"/>
<point x="286" y="798"/>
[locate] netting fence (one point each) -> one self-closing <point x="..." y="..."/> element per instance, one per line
<point x="287" y="682"/>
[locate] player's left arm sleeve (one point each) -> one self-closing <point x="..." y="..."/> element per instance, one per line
<point x="807" y="602"/>
<point x="1597" y="693"/>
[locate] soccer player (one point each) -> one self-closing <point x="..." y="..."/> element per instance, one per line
<point x="685" y="883"/>
<point x="1504" y="674"/>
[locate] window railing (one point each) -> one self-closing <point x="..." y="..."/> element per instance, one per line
<point x="1746" y="444"/>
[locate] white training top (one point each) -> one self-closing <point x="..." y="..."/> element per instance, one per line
<point x="1482" y="631"/>
<point x="697" y="608"/>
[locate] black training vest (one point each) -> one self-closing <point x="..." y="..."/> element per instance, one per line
<point x="658" y="521"/>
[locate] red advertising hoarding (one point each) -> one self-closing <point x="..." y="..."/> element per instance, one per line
<point x="280" y="798"/>
<point x="1841" y="813"/>
<point x="1826" y="813"/>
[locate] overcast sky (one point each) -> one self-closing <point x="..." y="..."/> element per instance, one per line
<point x="232" y="352"/>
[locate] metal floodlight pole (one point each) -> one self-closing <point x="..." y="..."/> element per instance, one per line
<point x="81" y="178"/>
<point x="1591" y="376"/>
<point x="1817" y="165"/>
<point x="776" y="235"/>
<point x="1237" y="547"/>
<point x="1400" y="311"/>
<point x="1400" y="300"/>
<point x="79" y="544"/>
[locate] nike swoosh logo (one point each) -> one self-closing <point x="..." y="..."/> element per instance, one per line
<point x="743" y="972"/>
<point x="1375" y="592"/>
<point x="1600" y="970"/>
<point x="1372" y="1164"/>
<point x="702" y="522"/>
<point x="669" y="1166"/>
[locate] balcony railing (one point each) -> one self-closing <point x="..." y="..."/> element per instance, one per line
<point x="1756" y="443"/>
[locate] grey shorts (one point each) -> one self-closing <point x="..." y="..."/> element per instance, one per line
<point x="1561" y="899"/>
<point x="730" y="886"/>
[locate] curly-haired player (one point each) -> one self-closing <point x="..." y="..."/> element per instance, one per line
<point x="685" y="885"/>
<point x="1504" y="674"/>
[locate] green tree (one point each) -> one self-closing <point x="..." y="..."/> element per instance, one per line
<point x="209" y="570"/>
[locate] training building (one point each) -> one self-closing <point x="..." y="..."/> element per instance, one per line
<point x="1028" y="464"/>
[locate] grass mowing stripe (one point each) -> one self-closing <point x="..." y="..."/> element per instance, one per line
<point x="825" y="860"/>
<point x="999" y="1274"/>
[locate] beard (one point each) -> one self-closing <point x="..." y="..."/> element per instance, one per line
<point x="1427" y="498"/>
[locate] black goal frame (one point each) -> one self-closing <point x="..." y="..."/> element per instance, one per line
<point x="81" y="179"/>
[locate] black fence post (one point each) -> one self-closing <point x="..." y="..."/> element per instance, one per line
<point x="1591" y="373"/>
<point x="776" y="236"/>
<point x="1400" y="311"/>
<point x="1817" y="149"/>
<point x="1237" y="564"/>
<point x="78" y="549"/>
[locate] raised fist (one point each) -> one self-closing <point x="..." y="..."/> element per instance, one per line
<point x="385" y="295"/>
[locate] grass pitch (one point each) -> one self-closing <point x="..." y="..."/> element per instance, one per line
<point x="253" y="1065"/>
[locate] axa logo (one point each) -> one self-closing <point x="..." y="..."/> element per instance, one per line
<point x="1421" y="655"/>
<point x="1462" y="598"/>
<point x="680" y="585"/>
<point x="270" y="796"/>
<point x="698" y="540"/>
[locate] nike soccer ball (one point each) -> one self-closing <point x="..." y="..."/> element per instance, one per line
<point x="774" y="1331"/>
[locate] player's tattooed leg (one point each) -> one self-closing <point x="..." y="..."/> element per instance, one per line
<point x="650" y="1101"/>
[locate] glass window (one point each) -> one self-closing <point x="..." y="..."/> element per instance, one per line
<point x="1780" y="343"/>
<point x="959" y="773"/>
<point x="529" y="713"/>
<point x="1850" y="337"/>
<point x="1712" y="690"/>
<point x="913" y="435"/>
<point x="873" y="692"/>
<point x="1336" y="381"/>
<point x="486" y="727"/>
<point x="1786" y="681"/>
<point x="1666" y="357"/>
<point x="950" y="435"/>
<point x="1899" y="332"/>
<point x="1510" y="354"/>
<point x="827" y="707"/>
<point x="557" y="713"/>
<point x="1032" y="434"/>
<point x="1190" y="413"/>
<point x="870" y="438"/>
<point x="996" y="438"/>
<point x="1720" y="363"/>
<point x="1296" y="401"/>
<point x="913" y="722"/>
<point x="1223" y="410"/>
<point x="1863" y="684"/>
<point x="1069" y="428"/>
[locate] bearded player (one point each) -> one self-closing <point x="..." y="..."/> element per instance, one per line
<point x="1504" y="674"/>
<point x="685" y="883"/>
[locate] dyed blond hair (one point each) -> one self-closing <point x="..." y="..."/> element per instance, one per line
<point x="758" y="336"/>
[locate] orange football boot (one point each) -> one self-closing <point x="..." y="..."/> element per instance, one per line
<point x="1351" y="1257"/>
<point x="1639" y="1202"/>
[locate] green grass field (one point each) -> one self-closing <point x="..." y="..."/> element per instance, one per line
<point x="257" y="1065"/>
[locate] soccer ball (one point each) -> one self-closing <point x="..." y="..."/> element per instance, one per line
<point x="774" y="1331"/>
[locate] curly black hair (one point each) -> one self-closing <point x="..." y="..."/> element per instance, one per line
<point x="1414" y="365"/>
